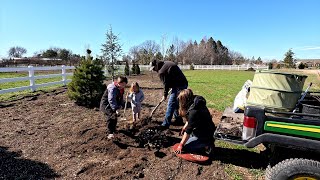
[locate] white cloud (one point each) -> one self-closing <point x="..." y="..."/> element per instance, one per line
<point x="306" y="48"/>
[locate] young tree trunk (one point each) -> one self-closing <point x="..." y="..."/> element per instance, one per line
<point x="112" y="69"/>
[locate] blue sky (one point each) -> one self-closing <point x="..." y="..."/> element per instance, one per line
<point x="254" y="28"/>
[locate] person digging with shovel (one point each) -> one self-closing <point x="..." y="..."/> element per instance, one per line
<point x="111" y="102"/>
<point x="171" y="77"/>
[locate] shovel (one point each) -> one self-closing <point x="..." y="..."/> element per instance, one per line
<point x="124" y="111"/>
<point x="302" y="97"/>
<point x="155" y="108"/>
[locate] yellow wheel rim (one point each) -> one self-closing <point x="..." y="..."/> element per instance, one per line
<point x="304" y="178"/>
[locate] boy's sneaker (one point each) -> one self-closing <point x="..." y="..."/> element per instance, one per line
<point x="208" y="150"/>
<point x="110" y="136"/>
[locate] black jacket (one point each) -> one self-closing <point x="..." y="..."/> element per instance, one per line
<point x="170" y="75"/>
<point x="200" y="123"/>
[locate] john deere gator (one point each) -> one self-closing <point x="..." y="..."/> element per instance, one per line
<point x="285" y="119"/>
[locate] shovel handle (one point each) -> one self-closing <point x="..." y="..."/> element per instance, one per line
<point x="154" y="109"/>
<point x="302" y="97"/>
<point x="125" y="105"/>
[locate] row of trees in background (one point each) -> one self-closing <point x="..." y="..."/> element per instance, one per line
<point x="51" y="56"/>
<point x="207" y="52"/>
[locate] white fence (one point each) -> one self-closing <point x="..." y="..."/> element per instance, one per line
<point x="120" y="70"/>
<point x="31" y="78"/>
<point x="206" y="67"/>
<point x="224" y="67"/>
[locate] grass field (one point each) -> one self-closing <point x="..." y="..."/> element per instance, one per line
<point x="220" y="87"/>
<point x="9" y="96"/>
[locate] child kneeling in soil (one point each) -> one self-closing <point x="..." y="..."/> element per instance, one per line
<point x="111" y="102"/>
<point x="136" y="95"/>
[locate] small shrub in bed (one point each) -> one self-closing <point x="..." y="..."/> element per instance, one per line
<point x="87" y="87"/>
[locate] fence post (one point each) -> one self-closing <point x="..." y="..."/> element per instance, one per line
<point x="64" y="76"/>
<point x="238" y="68"/>
<point x="31" y="78"/>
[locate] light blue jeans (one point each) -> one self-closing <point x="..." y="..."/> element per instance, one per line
<point x="173" y="106"/>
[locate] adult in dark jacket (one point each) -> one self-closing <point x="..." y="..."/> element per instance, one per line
<point x="199" y="128"/>
<point x="171" y="77"/>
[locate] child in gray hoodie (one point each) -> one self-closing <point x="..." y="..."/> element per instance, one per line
<point x="136" y="95"/>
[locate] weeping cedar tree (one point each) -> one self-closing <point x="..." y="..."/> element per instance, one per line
<point x="87" y="87"/>
<point x="126" y="69"/>
<point x="135" y="69"/>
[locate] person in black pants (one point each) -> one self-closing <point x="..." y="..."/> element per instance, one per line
<point x="171" y="77"/>
<point x="111" y="101"/>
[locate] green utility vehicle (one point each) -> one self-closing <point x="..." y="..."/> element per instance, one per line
<point x="291" y="136"/>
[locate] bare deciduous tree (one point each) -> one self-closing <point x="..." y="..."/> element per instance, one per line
<point x="17" y="51"/>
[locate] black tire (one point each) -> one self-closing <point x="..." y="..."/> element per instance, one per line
<point x="294" y="168"/>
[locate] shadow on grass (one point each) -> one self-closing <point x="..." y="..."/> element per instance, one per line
<point x="239" y="157"/>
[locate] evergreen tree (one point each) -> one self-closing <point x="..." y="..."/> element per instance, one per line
<point x="133" y="69"/>
<point x="289" y="59"/>
<point x="192" y="67"/>
<point x="223" y="54"/>
<point x="111" y="49"/>
<point x="87" y="87"/>
<point x="158" y="56"/>
<point x="126" y="69"/>
<point x="195" y="43"/>
<point x="212" y="44"/>
<point x="301" y="66"/>
<point x="137" y="69"/>
<point x="259" y="61"/>
<point x="170" y="53"/>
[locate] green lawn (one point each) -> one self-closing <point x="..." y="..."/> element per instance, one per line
<point x="12" y="95"/>
<point x="220" y="87"/>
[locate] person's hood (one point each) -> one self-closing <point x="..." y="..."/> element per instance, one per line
<point x="156" y="65"/>
<point x="198" y="103"/>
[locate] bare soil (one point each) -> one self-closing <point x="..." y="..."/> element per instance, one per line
<point x="230" y="124"/>
<point x="48" y="136"/>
